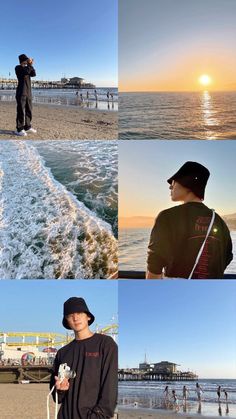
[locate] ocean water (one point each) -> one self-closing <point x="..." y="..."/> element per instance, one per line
<point x="58" y="209"/>
<point x="68" y="97"/>
<point x="133" y="244"/>
<point x="199" y="115"/>
<point x="150" y="395"/>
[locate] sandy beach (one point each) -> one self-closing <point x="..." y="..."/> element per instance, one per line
<point x="25" y="401"/>
<point x="56" y="122"/>
<point x="162" y="414"/>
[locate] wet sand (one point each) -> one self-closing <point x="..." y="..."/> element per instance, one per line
<point x="160" y="414"/>
<point x="56" y="122"/>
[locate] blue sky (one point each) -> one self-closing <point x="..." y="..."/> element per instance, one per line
<point x="145" y="166"/>
<point x="37" y="306"/>
<point x="73" y="38"/>
<point x="191" y="323"/>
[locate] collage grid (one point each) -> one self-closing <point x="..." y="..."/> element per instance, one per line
<point x="117" y="209"/>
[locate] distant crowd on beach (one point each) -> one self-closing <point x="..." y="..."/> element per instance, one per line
<point x="171" y="394"/>
<point x="173" y="401"/>
<point x="94" y="96"/>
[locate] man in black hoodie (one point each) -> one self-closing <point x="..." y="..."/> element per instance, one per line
<point x="92" y="393"/>
<point x="179" y="232"/>
<point x="24" y="72"/>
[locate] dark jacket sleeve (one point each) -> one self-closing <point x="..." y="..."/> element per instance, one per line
<point x="229" y="248"/>
<point x="61" y="394"/>
<point x="159" y="245"/>
<point x="25" y="71"/>
<point x="109" y="383"/>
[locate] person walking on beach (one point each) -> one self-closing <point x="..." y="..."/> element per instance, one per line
<point x="189" y="240"/>
<point x="92" y="393"/>
<point x="108" y="95"/>
<point x="24" y="71"/>
<point x="218" y="393"/>
<point x="185" y="393"/>
<point x="199" y="392"/>
<point x="175" y="400"/>
<point x="166" y="392"/>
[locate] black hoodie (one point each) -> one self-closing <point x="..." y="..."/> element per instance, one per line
<point x="93" y="392"/>
<point x="24" y="82"/>
<point x="176" y="239"/>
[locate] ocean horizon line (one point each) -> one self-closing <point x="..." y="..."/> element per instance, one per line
<point x="178" y="91"/>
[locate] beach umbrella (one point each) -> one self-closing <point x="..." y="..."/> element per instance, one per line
<point x="27" y="357"/>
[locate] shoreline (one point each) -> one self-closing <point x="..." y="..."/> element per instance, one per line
<point x="57" y="122"/>
<point x="142" y="413"/>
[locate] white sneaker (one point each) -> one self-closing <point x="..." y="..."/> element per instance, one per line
<point x="21" y="133"/>
<point x="34" y="131"/>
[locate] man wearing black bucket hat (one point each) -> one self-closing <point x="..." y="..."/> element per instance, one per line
<point x="92" y="393"/>
<point x="189" y="240"/>
<point x="24" y="72"/>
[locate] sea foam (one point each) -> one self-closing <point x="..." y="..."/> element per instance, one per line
<point x="45" y="232"/>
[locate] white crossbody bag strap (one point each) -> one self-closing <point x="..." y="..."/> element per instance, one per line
<point x="203" y="244"/>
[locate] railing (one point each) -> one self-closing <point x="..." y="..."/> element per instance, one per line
<point x="141" y="275"/>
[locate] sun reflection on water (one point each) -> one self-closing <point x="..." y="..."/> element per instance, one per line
<point x="209" y="115"/>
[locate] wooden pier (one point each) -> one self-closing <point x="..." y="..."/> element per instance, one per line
<point x="11" y="84"/>
<point x="129" y="375"/>
<point x="31" y="373"/>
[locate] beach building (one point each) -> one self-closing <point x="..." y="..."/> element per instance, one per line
<point x="76" y="81"/>
<point x="165" y="367"/>
<point x="79" y="83"/>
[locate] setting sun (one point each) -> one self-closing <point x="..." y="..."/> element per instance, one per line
<point x="204" y="80"/>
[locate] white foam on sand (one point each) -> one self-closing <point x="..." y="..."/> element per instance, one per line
<point x="45" y="232"/>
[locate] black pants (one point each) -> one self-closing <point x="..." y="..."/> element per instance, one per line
<point x="23" y="113"/>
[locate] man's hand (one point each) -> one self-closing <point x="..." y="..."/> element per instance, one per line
<point x="62" y="385"/>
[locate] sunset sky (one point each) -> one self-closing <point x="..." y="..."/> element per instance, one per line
<point x="166" y="45"/>
<point x="145" y="166"/>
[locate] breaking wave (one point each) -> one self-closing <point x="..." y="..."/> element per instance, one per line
<point x="45" y="232"/>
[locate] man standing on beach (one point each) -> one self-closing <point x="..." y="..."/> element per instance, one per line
<point x="24" y="72"/>
<point x="180" y="232"/>
<point x="92" y="394"/>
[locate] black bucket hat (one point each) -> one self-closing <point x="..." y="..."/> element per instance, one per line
<point x="76" y="305"/>
<point x="193" y="176"/>
<point x="22" y="58"/>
